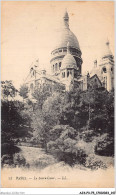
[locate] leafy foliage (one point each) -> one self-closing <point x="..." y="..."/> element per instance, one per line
<point x="8" y="89"/>
<point x="105" y="146"/>
<point x="64" y="145"/>
<point x="19" y="160"/>
<point x="13" y="122"/>
<point x="23" y="91"/>
<point x="41" y="94"/>
<point x="94" y="163"/>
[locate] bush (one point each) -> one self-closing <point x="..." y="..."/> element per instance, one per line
<point x="6" y="159"/>
<point x="9" y="148"/>
<point x="52" y="146"/>
<point x="94" y="162"/>
<point x="88" y="135"/>
<point x="105" y="146"/>
<point x="64" y="145"/>
<point x="19" y="160"/>
<point x="71" y="157"/>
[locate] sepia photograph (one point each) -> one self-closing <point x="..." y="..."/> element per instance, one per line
<point x="57" y="94"/>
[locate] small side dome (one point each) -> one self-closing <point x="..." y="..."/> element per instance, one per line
<point x="68" y="60"/>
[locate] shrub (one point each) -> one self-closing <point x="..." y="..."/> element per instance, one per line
<point x="64" y="146"/>
<point x="88" y="135"/>
<point x="94" y="162"/>
<point x="71" y="157"/>
<point x="18" y="159"/>
<point x="105" y="146"/>
<point x="6" y="159"/>
<point x="9" y="148"/>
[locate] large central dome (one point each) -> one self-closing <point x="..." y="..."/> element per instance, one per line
<point x="65" y="35"/>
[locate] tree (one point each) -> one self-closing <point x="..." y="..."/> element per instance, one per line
<point x="45" y="117"/>
<point x="41" y="94"/>
<point x="110" y="112"/>
<point x="52" y="109"/>
<point x="87" y="99"/>
<point x="13" y="123"/>
<point x="24" y="91"/>
<point x="98" y="105"/>
<point x="100" y="117"/>
<point x="8" y="89"/>
<point x="70" y="109"/>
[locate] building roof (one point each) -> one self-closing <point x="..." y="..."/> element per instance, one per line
<point x="95" y="76"/>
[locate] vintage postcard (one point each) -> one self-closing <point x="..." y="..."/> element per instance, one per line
<point x="57" y="94"/>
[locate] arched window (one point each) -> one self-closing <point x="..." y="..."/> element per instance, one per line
<point x="63" y="74"/>
<point x="56" y="67"/>
<point x="53" y="67"/>
<point x="104" y="69"/>
<point x="68" y="74"/>
<point x="59" y="65"/>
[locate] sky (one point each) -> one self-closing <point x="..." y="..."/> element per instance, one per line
<point x="29" y="32"/>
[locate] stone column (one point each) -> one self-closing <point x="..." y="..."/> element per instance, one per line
<point x="73" y="73"/>
<point x="109" y="80"/>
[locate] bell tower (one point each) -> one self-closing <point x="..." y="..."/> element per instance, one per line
<point x="107" y="68"/>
